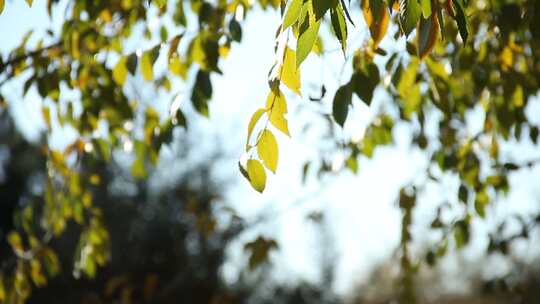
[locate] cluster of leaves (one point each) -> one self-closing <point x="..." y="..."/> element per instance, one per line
<point x="463" y="57"/>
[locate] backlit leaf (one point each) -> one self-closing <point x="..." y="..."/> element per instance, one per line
<point x="253" y="121"/>
<point x="120" y="71"/>
<point x="146" y="66"/>
<point x="289" y="74"/>
<point x="257" y="175"/>
<point x="267" y="148"/>
<point x="377" y="17"/>
<point x="409" y="14"/>
<point x="308" y="35"/>
<point x="428" y="31"/>
<point x="292" y="14"/>
<point x="339" y="25"/>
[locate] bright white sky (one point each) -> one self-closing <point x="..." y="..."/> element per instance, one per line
<point x="360" y="209"/>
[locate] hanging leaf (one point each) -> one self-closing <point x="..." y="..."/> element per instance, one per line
<point x="252" y="122"/>
<point x="427" y="33"/>
<point x="292" y="14"/>
<point x="309" y="31"/>
<point x="461" y="20"/>
<point x="146" y="66"/>
<point x="340" y="107"/>
<point x="339" y="25"/>
<point x="289" y="74"/>
<point x="2" y="3"/>
<point x="120" y="71"/>
<point x="377" y="18"/>
<point x="29" y="2"/>
<point x="409" y="14"/>
<point x="267" y="148"/>
<point x="256" y="174"/>
<point x="276" y="105"/>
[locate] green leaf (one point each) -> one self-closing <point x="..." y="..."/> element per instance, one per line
<point x="120" y="71"/>
<point x="146" y="66"/>
<point x="426" y="8"/>
<point x="410" y="12"/>
<point x="257" y="175"/>
<point x="461" y="20"/>
<point x="365" y="82"/>
<point x="339" y="25"/>
<point x="320" y="7"/>
<point x="267" y="148"/>
<point x="309" y="31"/>
<point x="292" y="14"/>
<point x="340" y="107"/>
<point x="428" y="31"/>
<point x="289" y="74"/>
<point x="252" y="122"/>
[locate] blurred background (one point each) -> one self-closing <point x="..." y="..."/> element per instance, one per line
<point x="194" y="231"/>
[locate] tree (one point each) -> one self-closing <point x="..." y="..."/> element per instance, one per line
<point x="458" y="57"/>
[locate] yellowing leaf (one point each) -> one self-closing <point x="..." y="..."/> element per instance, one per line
<point x="292" y="14"/>
<point x="289" y="73"/>
<point x="252" y="122"/>
<point x="146" y="67"/>
<point x="267" y="148"/>
<point x="256" y="174"/>
<point x="1" y="9"/>
<point x="276" y="102"/>
<point x="376" y="17"/>
<point x="120" y="71"/>
<point x="29" y="2"/>
<point x="177" y="67"/>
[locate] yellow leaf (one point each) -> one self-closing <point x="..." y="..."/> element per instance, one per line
<point x="276" y="102"/>
<point x="2" y="288"/>
<point x="1" y="9"/>
<point x="29" y="2"/>
<point x="267" y="148"/>
<point x="146" y="67"/>
<point x="257" y="175"/>
<point x="177" y="67"/>
<point x="120" y="71"/>
<point x="289" y="73"/>
<point x="377" y="19"/>
<point x="252" y="122"/>
<point x="279" y="121"/>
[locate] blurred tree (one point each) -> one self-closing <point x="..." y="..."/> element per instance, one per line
<point x="465" y="57"/>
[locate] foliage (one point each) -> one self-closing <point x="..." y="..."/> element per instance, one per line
<point x="461" y="56"/>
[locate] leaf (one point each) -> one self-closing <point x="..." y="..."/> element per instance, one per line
<point x="173" y="47"/>
<point x="252" y="122"/>
<point x="276" y="105"/>
<point x="365" y="82"/>
<point x="292" y="14"/>
<point x="276" y="102"/>
<point x="461" y="20"/>
<point x="340" y="107"/>
<point x="377" y="18"/>
<point x="409" y="14"/>
<point x="267" y="148"/>
<point x="308" y="35"/>
<point x="236" y="30"/>
<point x="146" y="66"/>
<point x="131" y="63"/>
<point x="289" y="74"/>
<point x="120" y="71"/>
<point x="426" y="8"/>
<point x="29" y="2"/>
<point x="428" y="31"/>
<point x="2" y="3"/>
<point x="321" y="7"/>
<point x="257" y="175"/>
<point x="339" y="25"/>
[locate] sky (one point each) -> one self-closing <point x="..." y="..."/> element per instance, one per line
<point x="360" y="209"/>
